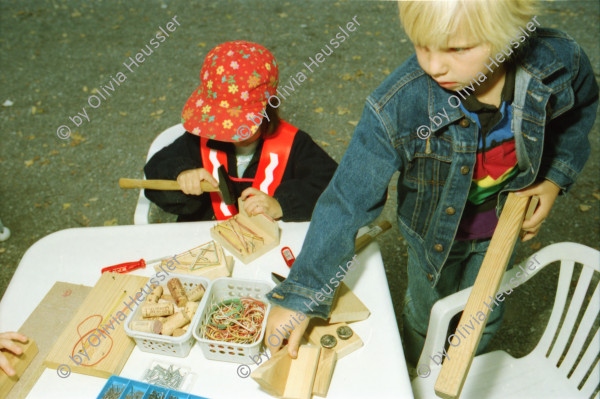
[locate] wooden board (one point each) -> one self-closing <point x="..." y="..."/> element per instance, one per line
<point x="18" y="363"/>
<point x="289" y="378"/>
<point x="209" y="272"/>
<point x="347" y="307"/>
<point x="240" y="228"/>
<point x="327" y="361"/>
<point x="454" y="371"/>
<point x="317" y="328"/>
<point x="42" y="325"/>
<point x="94" y="342"/>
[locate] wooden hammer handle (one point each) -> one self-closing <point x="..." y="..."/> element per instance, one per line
<point x="170" y="185"/>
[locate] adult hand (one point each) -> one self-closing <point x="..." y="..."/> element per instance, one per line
<point x="255" y="202"/>
<point x="284" y="321"/>
<point x="189" y="180"/>
<point x="547" y="191"/>
<point x="6" y="342"/>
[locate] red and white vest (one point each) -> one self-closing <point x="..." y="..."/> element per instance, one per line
<point x="273" y="160"/>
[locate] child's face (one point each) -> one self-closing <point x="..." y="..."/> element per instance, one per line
<point x="455" y="66"/>
<point x="248" y="141"/>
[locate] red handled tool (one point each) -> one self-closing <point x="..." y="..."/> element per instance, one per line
<point x="129" y="266"/>
<point x="288" y="256"/>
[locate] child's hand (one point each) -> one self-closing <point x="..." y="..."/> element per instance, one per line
<point x="6" y="343"/>
<point x="189" y="180"/>
<point x="279" y="318"/>
<point x="255" y="202"/>
<point x="547" y="191"/>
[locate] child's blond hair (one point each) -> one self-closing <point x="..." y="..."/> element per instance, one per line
<point x="433" y="23"/>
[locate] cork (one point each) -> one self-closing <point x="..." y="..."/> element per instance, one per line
<point x="167" y="297"/>
<point x="190" y="309"/>
<point x="155" y="295"/>
<point x="177" y="292"/>
<point x="158" y="309"/>
<point x="147" y="326"/>
<point x="196" y="293"/>
<point x="179" y="332"/>
<point x="175" y="322"/>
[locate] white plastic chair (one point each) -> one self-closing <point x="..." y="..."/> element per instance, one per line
<point x="538" y="374"/>
<point x="142" y="209"/>
<point x="4" y="232"/>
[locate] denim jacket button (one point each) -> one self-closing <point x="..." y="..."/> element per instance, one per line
<point x="464" y="122"/>
<point x="438" y="247"/>
<point x="464" y="170"/>
<point x="429" y="277"/>
<point x="450" y="211"/>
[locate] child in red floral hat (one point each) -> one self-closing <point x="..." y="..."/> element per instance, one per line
<point x="231" y="120"/>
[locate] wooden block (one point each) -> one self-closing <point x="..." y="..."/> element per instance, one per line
<point x="302" y="373"/>
<point x="289" y="378"/>
<point x="51" y="315"/>
<point x="94" y="342"/>
<point x="230" y="234"/>
<point x="327" y="361"/>
<point x="317" y="328"/>
<point x="18" y="363"/>
<point x="454" y="371"/>
<point x="272" y="374"/>
<point x="347" y="307"/>
<point x="197" y="262"/>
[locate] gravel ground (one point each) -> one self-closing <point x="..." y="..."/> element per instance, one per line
<point x="53" y="54"/>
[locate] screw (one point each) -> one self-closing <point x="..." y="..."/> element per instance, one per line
<point x="113" y="393"/>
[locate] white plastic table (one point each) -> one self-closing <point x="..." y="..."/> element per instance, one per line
<point x="377" y="370"/>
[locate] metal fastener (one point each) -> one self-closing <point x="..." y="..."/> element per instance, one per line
<point x="113" y="393"/>
<point x="328" y="341"/>
<point x="344" y="332"/>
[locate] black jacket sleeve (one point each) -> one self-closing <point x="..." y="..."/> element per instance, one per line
<point x="183" y="154"/>
<point x="306" y="175"/>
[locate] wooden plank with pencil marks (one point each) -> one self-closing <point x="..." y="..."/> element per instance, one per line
<point x="94" y="342"/>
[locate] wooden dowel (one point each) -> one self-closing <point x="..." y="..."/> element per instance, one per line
<point x="460" y="354"/>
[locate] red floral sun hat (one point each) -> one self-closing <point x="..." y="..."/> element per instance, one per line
<point x="236" y="81"/>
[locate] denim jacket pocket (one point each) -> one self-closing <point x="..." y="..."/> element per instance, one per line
<point x="560" y="102"/>
<point x="426" y="171"/>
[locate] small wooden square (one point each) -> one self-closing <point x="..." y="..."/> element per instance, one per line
<point x="317" y="329"/>
<point x="247" y="237"/>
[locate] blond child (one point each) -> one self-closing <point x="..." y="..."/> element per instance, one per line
<point x="490" y="103"/>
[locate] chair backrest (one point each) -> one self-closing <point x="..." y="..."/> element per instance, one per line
<point x="165" y="138"/>
<point x="568" y="254"/>
<point x="446" y="308"/>
<point x="555" y="341"/>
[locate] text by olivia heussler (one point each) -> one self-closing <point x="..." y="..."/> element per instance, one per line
<point x="423" y="370"/>
<point x="114" y="82"/>
<point x="424" y="131"/>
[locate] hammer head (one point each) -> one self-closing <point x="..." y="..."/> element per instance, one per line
<point x="229" y="192"/>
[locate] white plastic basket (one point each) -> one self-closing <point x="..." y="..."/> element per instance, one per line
<point x="220" y="290"/>
<point x="164" y="344"/>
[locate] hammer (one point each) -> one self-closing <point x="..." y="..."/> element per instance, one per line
<point x="227" y="189"/>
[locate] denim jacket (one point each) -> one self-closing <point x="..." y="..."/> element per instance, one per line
<point x="554" y="107"/>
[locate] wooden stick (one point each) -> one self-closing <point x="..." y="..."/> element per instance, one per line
<point x="166" y="185"/>
<point x="366" y="238"/>
<point x="460" y="354"/>
<point x="325" y="368"/>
